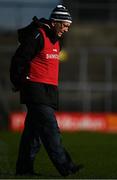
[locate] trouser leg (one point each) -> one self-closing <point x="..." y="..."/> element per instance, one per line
<point x="28" y="148"/>
<point x="47" y="129"/>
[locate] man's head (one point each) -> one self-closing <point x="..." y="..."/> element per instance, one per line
<point x="60" y="20"/>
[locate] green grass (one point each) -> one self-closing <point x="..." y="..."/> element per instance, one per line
<point x="97" y="151"/>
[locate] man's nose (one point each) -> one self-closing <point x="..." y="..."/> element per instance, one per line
<point x="66" y="30"/>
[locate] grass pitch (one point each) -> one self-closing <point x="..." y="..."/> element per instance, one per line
<point x="97" y="151"/>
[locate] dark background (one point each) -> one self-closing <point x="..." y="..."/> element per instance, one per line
<point x="88" y="75"/>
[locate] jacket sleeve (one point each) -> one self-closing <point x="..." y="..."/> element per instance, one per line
<point x="29" y="48"/>
<point x="23" y="55"/>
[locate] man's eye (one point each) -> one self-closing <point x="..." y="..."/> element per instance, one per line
<point x="66" y="26"/>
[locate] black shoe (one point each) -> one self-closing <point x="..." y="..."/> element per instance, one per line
<point x="77" y="168"/>
<point x="74" y="169"/>
<point x="27" y="174"/>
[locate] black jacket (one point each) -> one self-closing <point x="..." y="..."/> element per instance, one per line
<point x="31" y="41"/>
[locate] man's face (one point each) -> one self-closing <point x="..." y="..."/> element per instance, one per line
<point x="60" y="27"/>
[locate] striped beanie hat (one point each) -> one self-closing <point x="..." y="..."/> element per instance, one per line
<point x="60" y="13"/>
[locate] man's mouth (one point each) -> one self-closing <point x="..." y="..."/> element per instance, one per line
<point x="60" y="33"/>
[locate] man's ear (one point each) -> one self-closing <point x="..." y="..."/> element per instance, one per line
<point x="53" y="23"/>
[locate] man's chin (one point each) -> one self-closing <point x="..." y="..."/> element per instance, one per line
<point x="60" y="34"/>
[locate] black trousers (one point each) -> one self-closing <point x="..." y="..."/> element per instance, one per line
<point x="41" y="127"/>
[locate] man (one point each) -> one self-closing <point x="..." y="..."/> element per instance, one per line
<point x="37" y="60"/>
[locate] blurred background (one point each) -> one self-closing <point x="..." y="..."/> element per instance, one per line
<point x="88" y="75"/>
